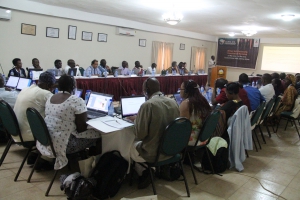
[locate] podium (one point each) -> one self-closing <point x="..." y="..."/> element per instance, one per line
<point x="217" y="72"/>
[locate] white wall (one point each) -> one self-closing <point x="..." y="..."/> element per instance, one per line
<point x="118" y="48"/>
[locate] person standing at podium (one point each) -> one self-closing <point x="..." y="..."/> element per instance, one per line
<point x="211" y="64"/>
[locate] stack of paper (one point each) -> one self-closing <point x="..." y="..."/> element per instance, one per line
<point x="108" y="124"/>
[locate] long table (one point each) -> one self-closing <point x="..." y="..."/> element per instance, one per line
<point x="127" y="86"/>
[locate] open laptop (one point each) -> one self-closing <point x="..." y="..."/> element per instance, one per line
<point x="12" y="82"/>
<point x="23" y="83"/>
<point x="78" y="92"/>
<point x="130" y="105"/>
<point x="74" y="70"/>
<point x="34" y="72"/>
<point x="56" y="72"/>
<point x="177" y="98"/>
<point x="98" y="104"/>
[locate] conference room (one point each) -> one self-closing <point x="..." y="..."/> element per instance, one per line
<point x="215" y="40"/>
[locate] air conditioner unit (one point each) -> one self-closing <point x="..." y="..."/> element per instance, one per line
<point x="5" y="14"/>
<point x="125" y="31"/>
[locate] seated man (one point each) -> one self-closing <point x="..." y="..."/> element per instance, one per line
<point x="17" y="70"/>
<point x="103" y="67"/>
<point x="7" y="95"/>
<point x="173" y="68"/>
<point x="267" y="90"/>
<point x="219" y="98"/>
<point x="34" y="96"/>
<point x="93" y="70"/>
<point x="124" y="67"/>
<point x="152" y="119"/>
<point x="58" y="65"/>
<point x="152" y="68"/>
<point x="35" y="64"/>
<point x="276" y="82"/>
<point x="138" y="68"/>
<point x="71" y="65"/>
<point x="253" y="94"/>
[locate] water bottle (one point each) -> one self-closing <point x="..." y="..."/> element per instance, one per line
<point x="173" y="72"/>
<point x="111" y="108"/>
<point x="178" y="91"/>
<point x="72" y="73"/>
<point x="143" y="73"/>
<point x="202" y="89"/>
<point x="153" y="73"/>
<point x="30" y="75"/>
<point x="209" y="94"/>
<point x="256" y="83"/>
<point x="116" y="73"/>
<point x="56" y="91"/>
<point x="129" y="72"/>
<point x="105" y="74"/>
<point x="167" y="73"/>
<point x="4" y="79"/>
<point x="253" y="84"/>
<point x="87" y="96"/>
<point x="218" y="91"/>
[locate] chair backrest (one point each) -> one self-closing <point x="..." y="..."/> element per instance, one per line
<point x="267" y="111"/>
<point x="258" y="113"/>
<point x="9" y="120"/>
<point x="175" y="137"/>
<point x="81" y="71"/>
<point x="39" y="128"/>
<point x="277" y="102"/>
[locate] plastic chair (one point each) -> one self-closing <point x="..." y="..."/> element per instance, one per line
<point x="255" y="120"/>
<point x="81" y="71"/>
<point x="274" y="109"/>
<point x="209" y="127"/>
<point x="173" y="141"/>
<point x="11" y="127"/>
<point x="264" y="116"/>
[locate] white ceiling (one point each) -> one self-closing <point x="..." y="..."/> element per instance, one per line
<point x="212" y="17"/>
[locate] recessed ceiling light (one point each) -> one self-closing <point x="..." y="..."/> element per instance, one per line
<point x="8" y="11"/>
<point x="231" y="34"/>
<point x="288" y="17"/>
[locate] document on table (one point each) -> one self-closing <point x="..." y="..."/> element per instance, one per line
<point x="108" y="124"/>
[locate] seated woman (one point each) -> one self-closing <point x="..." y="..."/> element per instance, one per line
<point x="194" y="107"/>
<point x="66" y="117"/>
<point x="138" y="68"/>
<point x="289" y="96"/>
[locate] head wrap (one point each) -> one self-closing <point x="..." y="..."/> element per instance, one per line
<point x="291" y="78"/>
<point x="47" y="77"/>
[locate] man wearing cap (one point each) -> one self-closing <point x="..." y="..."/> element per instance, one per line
<point x="34" y="96"/>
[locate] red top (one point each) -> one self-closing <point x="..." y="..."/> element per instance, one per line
<point x="244" y="97"/>
<point x="222" y="98"/>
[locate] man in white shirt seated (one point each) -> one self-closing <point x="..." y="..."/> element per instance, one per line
<point x="7" y="95"/>
<point x="267" y="90"/>
<point x="125" y="69"/>
<point x="58" y="66"/>
<point x="152" y="68"/>
<point x="35" y="64"/>
<point x="71" y="64"/>
<point x="93" y="70"/>
<point x="34" y="96"/>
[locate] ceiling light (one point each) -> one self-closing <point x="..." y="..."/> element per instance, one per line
<point x="249" y="33"/>
<point x="231" y="34"/>
<point x="172" y="18"/>
<point x="287" y="17"/>
<point x="8" y="11"/>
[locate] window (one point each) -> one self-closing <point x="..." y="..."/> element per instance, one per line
<point x="198" y="58"/>
<point x="162" y="54"/>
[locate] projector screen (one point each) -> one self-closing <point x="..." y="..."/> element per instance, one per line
<point x="281" y="59"/>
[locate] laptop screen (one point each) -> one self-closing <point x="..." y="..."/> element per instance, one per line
<point x="178" y="99"/>
<point x="23" y="83"/>
<point x="99" y="101"/>
<point x="78" y="93"/>
<point x="131" y="105"/>
<point x="72" y="70"/>
<point x="12" y="81"/>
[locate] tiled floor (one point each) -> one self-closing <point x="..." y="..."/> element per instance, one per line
<point x="277" y="166"/>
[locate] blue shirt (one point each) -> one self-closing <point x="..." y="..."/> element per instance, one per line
<point x="102" y="69"/>
<point x="254" y="96"/>
<point x="93" y="71"/>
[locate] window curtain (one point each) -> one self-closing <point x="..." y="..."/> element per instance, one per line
<point x="198" y="56"/>
<point x="157" y="54"/>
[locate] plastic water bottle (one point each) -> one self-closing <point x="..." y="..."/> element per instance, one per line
<point x="56" y="91"/>
<point x="256" y="83"/>
<point x="253" y="84"/>
<point x="167" y="73"/>
<point x="153" y="73"/>
<point x="218" y="91"/>
<point x="105" y="74"/>
<point x="111" y="108"/>
<point x="209" y="94"/>
<point x="30" y="75"/>
<point x="72" y="73"/>
<point x="129" y="72"/>
<point x="202" y="89"/>
<point x="173" y="72"/>
<point x="116" y="73"/>
<point x="4" y="79"/>
<point x="87" y="96"/>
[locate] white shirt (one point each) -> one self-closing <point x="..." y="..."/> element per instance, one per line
<point x="77" y="73"/>
<point x="211" y="63"/>
<point x="8" y="96"/>
<point x="267" y="92"/>
<point x="32" y="96"/>
<point x="149" y="70"/>
<point x="31" y="67"/>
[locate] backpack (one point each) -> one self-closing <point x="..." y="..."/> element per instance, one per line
<point x="219" y="162"/>
<point x="169" y="172"/>
<point x="110" y="171"/>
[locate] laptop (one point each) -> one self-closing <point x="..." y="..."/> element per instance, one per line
<point x="74" y="70"/>
<point x="98" y="104"/>
<point x="34" y="73"/>
<point x="78" y="93"/>
<point x="113" y="69"/>
<point x="130" y="105"/>
<point x="56" y="72"/>
<point x="12" y="82"/>
<point x="23" y="83"/>
<point x="177" y="98"/>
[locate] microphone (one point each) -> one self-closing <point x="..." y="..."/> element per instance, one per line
<point x="2" y="69"/>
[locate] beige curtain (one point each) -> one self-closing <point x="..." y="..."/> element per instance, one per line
<point x="157" y="54"/>
<point x="198" y="56"/>
<point x="168" y="55"/>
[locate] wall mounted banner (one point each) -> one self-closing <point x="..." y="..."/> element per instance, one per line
<point x="237" y="52"/>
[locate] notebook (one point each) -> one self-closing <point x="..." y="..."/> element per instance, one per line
<point x="178" y="99"/>
<point x="98" y="104"/>
<point x="12" y="81"/>
<point x="78" y="92"/>
<point x="23" y="83"/>
<point x="130" y="105"/>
